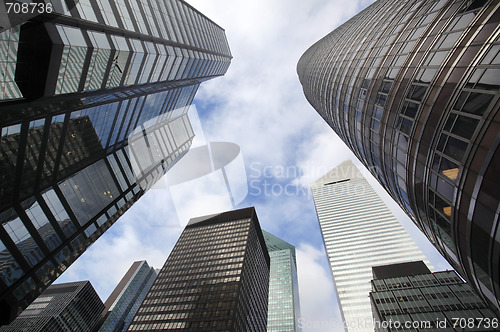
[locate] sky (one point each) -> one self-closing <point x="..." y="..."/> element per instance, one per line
<point x="284" y="145"/>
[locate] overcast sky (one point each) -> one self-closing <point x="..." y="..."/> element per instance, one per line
<point x="285" y="145"/>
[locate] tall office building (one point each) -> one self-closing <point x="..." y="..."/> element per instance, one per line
<point x="70" y="307"/>
<point x="122" y="304"/>
<point x="93" y="104"/>
<point x="283" y="311"/>
<point x="407" y="296"/>
<point x="215" y="279"/>
<point x="412" y="88"/>
<point x="359" y="232"/>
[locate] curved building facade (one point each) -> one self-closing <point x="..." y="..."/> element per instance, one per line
<point x="412" y="87"/>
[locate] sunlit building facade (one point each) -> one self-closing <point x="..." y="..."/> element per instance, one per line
<point x="215" y="279"/>
<point x="124" y="301"/>
<point x="72" y="306"/>
<point x="93" y="108"/>
<point x="359" y="232"/>
<point x="408" y="297"/>
<point x="284" y="304"/>
<point x="412" y="87"/>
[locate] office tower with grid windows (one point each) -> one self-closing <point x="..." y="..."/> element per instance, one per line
<point x="72" y="306"/>
<point x="359" y="232"/>
<point x="408" y="293"/>
<point x="122" y="304"/>
<point x="412" y="87"/>
<point x="93" y="103"/>
<point x="215" y="279"/>
<point x="284" y="305"/>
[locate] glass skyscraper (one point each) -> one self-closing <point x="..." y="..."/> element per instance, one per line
<point x="93" y="105"/>
<point x="284" y="305"/>
<point x="215" y="279"/>
<point x="359" y="232"/>
<point x="72" y="306"/>
<point x="122" y="304"/>
<point x="412" y="87"/>
<point x="408" y="297"/>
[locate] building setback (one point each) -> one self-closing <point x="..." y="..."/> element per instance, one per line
<point x="408" y="293"/>
<point x="359" y="232"/>
<point x="283" y="312"/>
<point x="216" y="278"/>
<point x="412" y="87"/>
<point x="122" y="304"/>
<point x="94" y="111"/>
<point x="69" y="307"/>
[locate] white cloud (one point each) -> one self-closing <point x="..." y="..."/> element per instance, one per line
<point x="259" y="102"/>
<point x="327" y="151"/>
<point x="319" y="310"/>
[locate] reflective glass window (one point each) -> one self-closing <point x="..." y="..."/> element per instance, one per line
<point x="32" y="154"/>
<point x="72" y="60"/>
<point x="136" y="13"/>
<point x="9" y="41"/>
<point x="25" y="288"/>
<point x="89" y="191"/>
<point x="117" y="172"/>
<point x="59" y="213"/>
<point x="477" y="103"/>
<point x="42" y="225"/>
<point x="9" y="145"/>
<point x="107" y="13"/>
<point x="85" y="10"/>
<point x="137" y="59"/>
<point x="90" y="230"/>
<point x="10" y="271"/>
<point x="23" y="240"/>
<point x="124" y="15"/>
<point x="99" y="61"/>
<point x="45" y="272"/>
<point x="455" y="148"/>
<point x="119" y="63"/>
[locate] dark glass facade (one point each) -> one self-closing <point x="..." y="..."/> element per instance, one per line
<point x="69" y="307"/>
<point x="124" y="301"/>
<point x="93" y="111"/>
<point x="412" y="88"/>
<point x="215" y="279"/>
<point x="413" y="299"/>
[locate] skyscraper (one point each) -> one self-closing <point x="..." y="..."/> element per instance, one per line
<point x="71" y="307"/>
<point x="408" y="295"/>
<point x="359" y="232"/>
<point x="284" y="305"/>
<point x="215" y="279"/>
<point x="412" y="88"/>
<point x="122" y="304"/>
<point x="94" y="103"/>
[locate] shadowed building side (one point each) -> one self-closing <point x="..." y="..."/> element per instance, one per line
<point x="216" y="278"/>
<point x="409" y="295"/>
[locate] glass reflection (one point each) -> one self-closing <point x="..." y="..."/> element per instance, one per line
<point x="43" y="226"/>
<point x="89" y="191"/>
<point x="23" y="240"/>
